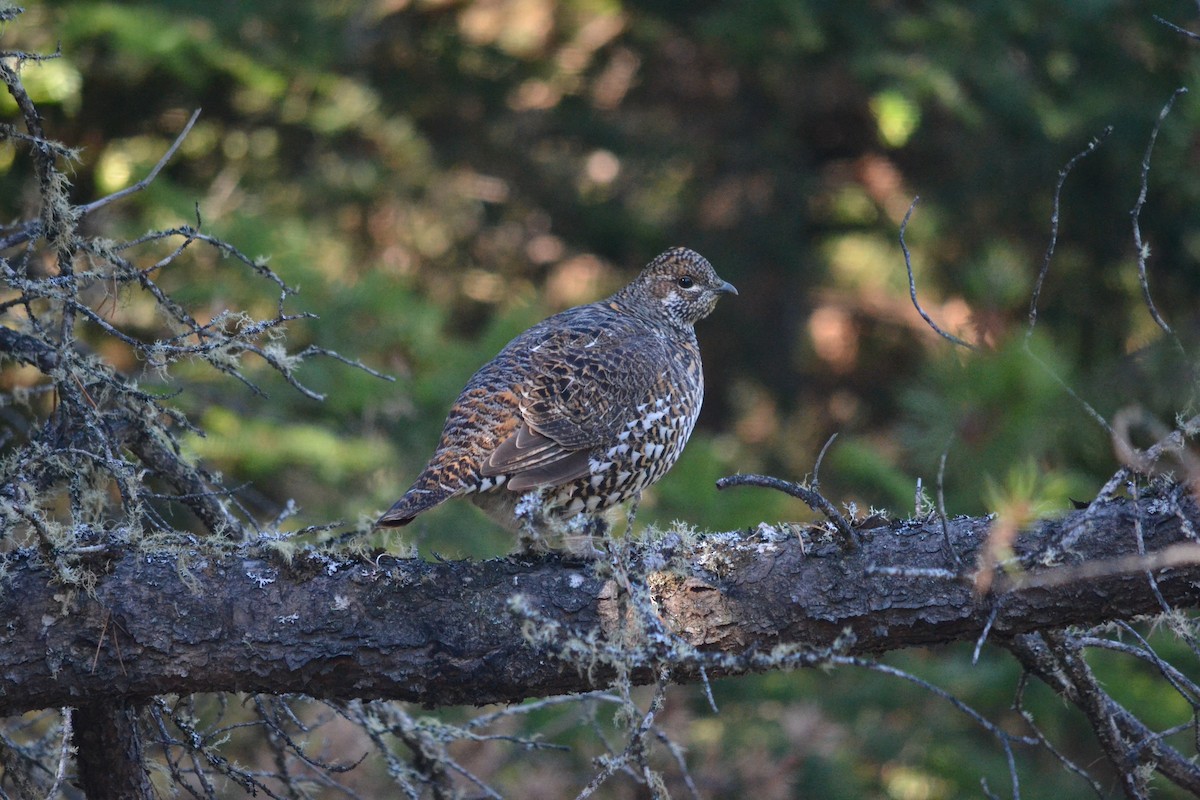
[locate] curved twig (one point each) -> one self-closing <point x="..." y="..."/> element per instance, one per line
<point x="1175" y="27"/>
<point x="1005" y="738"/>
<point x="1041" y="278"/>
<point x="816" y="480"/>
<point x="941" y="508"/>
<point x="1054" y="219"/>
<point x="812" y="498"/>
<point x="912" y="285"/>
<point x="150" y="176"/>
<point x="1143" y="250"/>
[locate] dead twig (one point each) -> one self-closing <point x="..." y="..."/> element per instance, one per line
<point x="1142" y="249"/>
<point x="1045" y="270"/>
<point x="1176" y="555"/>
<point x="912" y="285"/>
<point x="813" y="499"/>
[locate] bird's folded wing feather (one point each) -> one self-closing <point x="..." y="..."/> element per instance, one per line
<point x="580" y="390"/>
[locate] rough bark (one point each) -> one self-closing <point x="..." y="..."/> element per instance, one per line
<point x="447" y="633"/>
<point x="110" y="759"/>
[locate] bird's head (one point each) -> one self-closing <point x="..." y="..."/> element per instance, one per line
<point x="679" y="286"/>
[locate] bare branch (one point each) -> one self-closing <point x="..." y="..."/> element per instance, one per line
<point x="1018" y="706"/>
<point x="1143" y="250"/>
<point x="1054" y="221"/>
<point x="1175" y="27"/>
<point x="1005" y="738"/>
<point x="1045" y="270"/>
<point x="88" y="208"/>
<point x="1098" y="707"/>
<point x="1041" y="659"/>
<point x="313" y="350"/>
<point x="812" y="498"/>
<point x="816" y="479"/>
<point x="912" y="285"/>
<point x="941" y="507"/>
<point x="64" y="755"/>
<point x="437" y="633"/>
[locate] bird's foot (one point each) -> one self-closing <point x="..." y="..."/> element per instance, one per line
<point x="531" y="542"/>
<point x="530" y="512"/>
<point x="581" y="533"/>
<point x="631" y="514"/>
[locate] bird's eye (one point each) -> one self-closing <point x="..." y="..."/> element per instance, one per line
<point x="685" y="282"/>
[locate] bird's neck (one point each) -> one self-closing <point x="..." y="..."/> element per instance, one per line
<point x="623" y="303"/>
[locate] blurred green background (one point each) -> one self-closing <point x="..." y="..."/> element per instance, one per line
<point x="436" y="176"/>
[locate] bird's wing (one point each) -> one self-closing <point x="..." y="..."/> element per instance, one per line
<point x="580" y="389"/>
<point x="531" y="459"/>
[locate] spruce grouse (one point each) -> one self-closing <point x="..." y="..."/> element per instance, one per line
<point x="585" y="409"/>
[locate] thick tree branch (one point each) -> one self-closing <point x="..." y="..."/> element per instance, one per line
<point x="447" y="633"/>
<point x="1043" y="660"/>
<point x="110" y="752"/>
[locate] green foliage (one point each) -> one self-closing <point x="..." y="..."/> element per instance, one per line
<point x="998" y="413"/>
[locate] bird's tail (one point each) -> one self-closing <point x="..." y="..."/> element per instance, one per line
<point x="422" y="496"/>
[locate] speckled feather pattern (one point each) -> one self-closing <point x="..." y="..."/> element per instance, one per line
<point x="588" y="407"/>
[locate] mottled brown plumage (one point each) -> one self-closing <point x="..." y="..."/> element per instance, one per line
<point x="585" y="409"/>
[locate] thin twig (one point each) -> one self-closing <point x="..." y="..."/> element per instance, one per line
<point x="1054" y="222"/>
<point x="313" y="350"/>
<point x="1005" y="738"/>
<point x="88" y="208"/>
<point x="1045" y="270"/>
<point x="1182" y="684"/>
<point x="1143" y="250"/>
<point x="1019" y="707"/>
<point x="912" y="285"/>
<point x="986" y="629"/>
<point x="941" y="508"/>
<point x="1183" y="631"/>
<point x="1176" y="555"/>
<point x="708" y="692"/>
<point x="816" y="479"/>
<point x="1175" y="27"/>
<point x="677" y="753"/>
<point x="635" y="750"/>
<point x="64" y="754"/>
<point x="811" y="498"/>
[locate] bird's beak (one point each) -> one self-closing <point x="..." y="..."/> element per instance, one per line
<point x="726" y="288"/>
